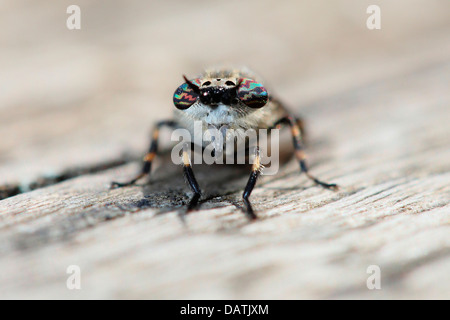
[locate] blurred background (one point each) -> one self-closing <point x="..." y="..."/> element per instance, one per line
<point x="376" y="104"/>
<point x="106" y="83"/>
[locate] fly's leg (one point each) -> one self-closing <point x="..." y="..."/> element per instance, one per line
<point x="256" y="171"/>
<point x="151" y="154"/>
<point x="297" y="140"/>
<point x="301" y="125"/>
<point x="190" y="178"/>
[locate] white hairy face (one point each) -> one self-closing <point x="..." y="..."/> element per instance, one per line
<point x="217" y="115"/>
<point x="222" y="117"/>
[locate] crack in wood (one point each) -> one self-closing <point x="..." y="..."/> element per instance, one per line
<point x="7" y="191"/>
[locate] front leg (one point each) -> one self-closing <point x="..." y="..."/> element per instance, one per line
<point x="297" y="140"/>
<point x="190" y="178"/>
<point x="150" y="156"/>
<point x="254" y="175"/>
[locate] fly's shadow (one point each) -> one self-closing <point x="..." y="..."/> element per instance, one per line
<point x="222" y="184"/>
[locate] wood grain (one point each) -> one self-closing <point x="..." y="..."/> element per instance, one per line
<point x="77" y="114"/>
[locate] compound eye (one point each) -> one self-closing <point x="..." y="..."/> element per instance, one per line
<point x="184" y="96"/>
<point x="252" y="93"/>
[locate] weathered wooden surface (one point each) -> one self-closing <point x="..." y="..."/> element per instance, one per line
<point x="79" y="103"/>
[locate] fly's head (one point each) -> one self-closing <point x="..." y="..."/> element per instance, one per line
<point x="227" y="91"/>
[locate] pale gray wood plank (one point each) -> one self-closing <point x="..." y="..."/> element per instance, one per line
<point x="377" y="111"/>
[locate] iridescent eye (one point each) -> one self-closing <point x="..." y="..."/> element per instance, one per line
<point x="252" y="93"/>
<point x="184" y="96"/>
